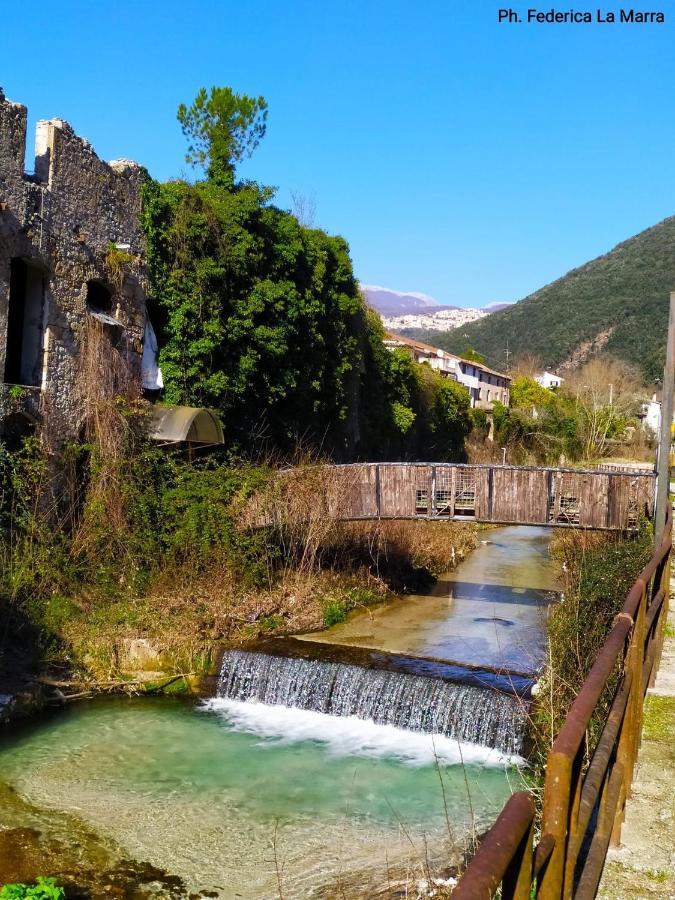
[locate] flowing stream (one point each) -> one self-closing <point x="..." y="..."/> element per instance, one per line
<point x="489" y="611"/>
<point x="309" y="774"/>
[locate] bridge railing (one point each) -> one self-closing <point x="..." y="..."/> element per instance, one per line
<point x="573" y="498"/>
<point x="583" y="807"/>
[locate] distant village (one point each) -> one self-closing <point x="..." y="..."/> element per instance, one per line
<point x="442" y="320"/>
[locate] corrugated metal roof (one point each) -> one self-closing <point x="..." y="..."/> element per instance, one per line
<point x="172" y="424"/>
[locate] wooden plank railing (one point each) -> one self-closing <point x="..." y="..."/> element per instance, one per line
<point x="524" y="495"/>
<point x="583" y="807"/>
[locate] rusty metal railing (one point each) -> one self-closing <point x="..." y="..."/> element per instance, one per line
<point x="583" y="808"/>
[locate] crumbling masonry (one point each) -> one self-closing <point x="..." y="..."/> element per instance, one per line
<point x="58" y="227"/>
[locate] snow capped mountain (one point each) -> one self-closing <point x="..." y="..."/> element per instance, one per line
<point x="389" y="302"/>
<point x="402" y="310"/>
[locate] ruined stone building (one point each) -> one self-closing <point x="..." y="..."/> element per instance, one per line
<point x="60" y="228"/>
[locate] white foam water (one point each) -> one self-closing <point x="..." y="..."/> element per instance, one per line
<point x="353" y="736"/>
<point x="461" y="712"/>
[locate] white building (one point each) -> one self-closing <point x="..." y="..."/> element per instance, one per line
<point x="549" y="380"/>
<point x="485" y="385"/>
<point x="650" y="414"/>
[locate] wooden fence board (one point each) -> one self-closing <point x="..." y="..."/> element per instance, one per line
<point x="583" y="498"/>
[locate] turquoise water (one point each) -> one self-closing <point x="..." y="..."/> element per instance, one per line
<point x="234" y="797"/>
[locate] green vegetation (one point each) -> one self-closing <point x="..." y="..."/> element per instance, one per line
<point x="470" y="354"/>
<point x="261" y="318"/>
<point x="43" y="889"/>
<point x="618" y="302"/>
<point x="658" y="723"/>
<point x="598" y="573"/>
<point x="137" y="543"/>
<point x="337" y="605"/>
<point x="579" y="421"/>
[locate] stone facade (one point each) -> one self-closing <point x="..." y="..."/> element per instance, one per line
<point x="57" y="230"/>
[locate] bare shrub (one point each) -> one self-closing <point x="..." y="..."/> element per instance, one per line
<point x="113" y="425"/>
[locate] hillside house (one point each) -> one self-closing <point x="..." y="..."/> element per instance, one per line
<point x="549" y="380"/>
<point x="485" y="385"/>
<point x="650" y="415"/>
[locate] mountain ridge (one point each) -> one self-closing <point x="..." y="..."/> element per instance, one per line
<point x="617" y="303"/>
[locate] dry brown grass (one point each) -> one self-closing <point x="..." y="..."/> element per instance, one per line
<point x="364" y="562"/>
<point x="113" y="418"/>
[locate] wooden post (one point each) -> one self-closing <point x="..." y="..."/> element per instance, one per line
<point x="663" y="462"/>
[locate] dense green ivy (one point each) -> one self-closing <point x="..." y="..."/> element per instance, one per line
<point x="261" y="319"/>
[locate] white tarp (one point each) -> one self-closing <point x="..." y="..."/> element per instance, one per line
<point x="151" y="374"/>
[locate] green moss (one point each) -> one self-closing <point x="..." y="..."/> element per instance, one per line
<point x="337" y="605"/>
<point x="334" y="611"/>
<point x="658" y="723"/>
<point x="166" y="686"/>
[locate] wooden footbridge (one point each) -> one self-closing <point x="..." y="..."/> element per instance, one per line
<point x="526" y="495"/>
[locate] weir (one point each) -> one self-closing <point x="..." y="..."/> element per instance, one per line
<point x="458" y="662"/>
<point x="469" y="713"/>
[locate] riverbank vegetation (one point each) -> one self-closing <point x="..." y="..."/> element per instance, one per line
<point x="598" y="570"/>
<point x="592" y="415"/>
<point x="134" y="543"/>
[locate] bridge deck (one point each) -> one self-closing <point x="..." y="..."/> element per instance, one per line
<point x="581" y="498"/>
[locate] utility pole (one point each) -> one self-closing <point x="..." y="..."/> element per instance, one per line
<point x="663" y="459"/>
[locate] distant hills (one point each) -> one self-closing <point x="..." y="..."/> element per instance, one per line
<point x="395" y="304"/>
<point x="617" y="303"/>
<point x="398" y="303"/>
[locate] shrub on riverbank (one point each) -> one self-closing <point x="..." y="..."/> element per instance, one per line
<point x="177" y="562"/>
<point x="43" y="889"/>
<point x="598" y="571"/>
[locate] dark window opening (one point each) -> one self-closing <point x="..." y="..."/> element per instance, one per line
<point x="99" y="297"/>
<point x="23" y="353"/>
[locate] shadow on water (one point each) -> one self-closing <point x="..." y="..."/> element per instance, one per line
<point x="490" y="611"/>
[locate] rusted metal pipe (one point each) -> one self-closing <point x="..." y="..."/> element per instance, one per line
<point x="494" y="856"/>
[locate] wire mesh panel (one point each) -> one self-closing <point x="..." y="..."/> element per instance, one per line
<point x="465" y="492"/>
<point x="443" y="490"/>
<point x="564" y="505"/>
<point x="422" y="490"/>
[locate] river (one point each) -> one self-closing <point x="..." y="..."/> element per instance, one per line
<point x="251" y="800"/>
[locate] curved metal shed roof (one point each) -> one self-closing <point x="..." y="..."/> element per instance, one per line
<point x="172" y="424"/>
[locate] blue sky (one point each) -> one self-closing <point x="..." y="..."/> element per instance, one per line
<point x="469" y="160"/>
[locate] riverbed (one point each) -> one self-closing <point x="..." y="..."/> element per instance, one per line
<point x="240" y="800"/>
<point x="489" y="611"/>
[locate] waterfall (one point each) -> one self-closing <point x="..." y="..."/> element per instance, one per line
<point x="435" y="706"/>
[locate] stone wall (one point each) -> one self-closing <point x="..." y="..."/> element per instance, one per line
<point x="61" y="222"/>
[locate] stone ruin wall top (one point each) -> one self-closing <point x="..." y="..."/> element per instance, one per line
<point x="90" y="201"/>
<point x="63" y="218"/>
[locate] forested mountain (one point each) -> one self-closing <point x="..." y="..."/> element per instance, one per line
<point x="617" y="303"/>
